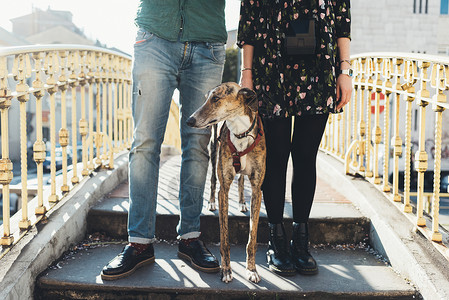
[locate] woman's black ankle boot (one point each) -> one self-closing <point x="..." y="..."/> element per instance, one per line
<point x="299" y="249"/>
<point x="277" y="255"/>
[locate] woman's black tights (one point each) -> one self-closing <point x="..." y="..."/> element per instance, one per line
<point x="303" y="146"/>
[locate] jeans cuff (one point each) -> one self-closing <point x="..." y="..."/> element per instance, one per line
<point x="190" y="235"/>
<point x="139" y="240"/>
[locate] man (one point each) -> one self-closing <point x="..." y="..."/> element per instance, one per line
<point x="180" y="44"/>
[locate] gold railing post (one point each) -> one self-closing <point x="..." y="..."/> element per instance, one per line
<point x="116" y="106"/>
<point x="369" y="84"/>
<point x="115" y="137"/>
<point x="63" y="132"/>
<point x="39" y="145"/>
<point x="351" y="121"/>
<point x="332" y="134"/>
<point x="110" y="104"/>
<point x="91" y="80"/>
<point x="353" y="133"/>
<point x="104" y="131"/>
<point x="24" y="71"/>
<point x="83" y="124"/>
<point x="410" y="78"/>
<point x="387" y="73"/>
<point x="74" y="63"/>
<point x="329" y="135"/>
<point x="6" y="174"/>
<point x="97" y="136"/>
<point x="121" y="112"/>
<point x="396" y="140"/>
<point x="437" y="82"/>
<point x="339" y="135"/>
<point x="377" y="132"/>
<point x="106" y="134"/>
<point x="52" y="67"/>
<point x="421" y="155"/>
<point x="362" y="124"/>
<point x="325" y="138"/>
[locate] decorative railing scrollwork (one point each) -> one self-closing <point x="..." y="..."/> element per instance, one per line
<point x="49" y="85"/>
<point x="400" y="87"/>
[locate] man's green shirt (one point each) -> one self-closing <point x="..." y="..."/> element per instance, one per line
<point x="186" y="20"/>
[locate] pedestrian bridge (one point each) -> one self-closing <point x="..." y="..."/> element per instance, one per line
<point x="382" y="185"/>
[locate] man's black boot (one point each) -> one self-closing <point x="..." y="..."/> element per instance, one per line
<point x="128" y="261"/>
<point x="195" y="252"/>
<point x="278" y="257"/>
<point x="299" y="249"/>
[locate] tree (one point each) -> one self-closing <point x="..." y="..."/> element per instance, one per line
<point x="231" y="67"/>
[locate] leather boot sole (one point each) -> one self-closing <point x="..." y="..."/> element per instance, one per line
<point x="278" y="271"/>
<point x="307" y="271"/>
<point x="188" y="259"/>
<point x="121" y="275"/>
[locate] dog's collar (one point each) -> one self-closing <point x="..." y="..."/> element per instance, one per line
<point x="246" y="133"/>
<point x="236" y="154"/>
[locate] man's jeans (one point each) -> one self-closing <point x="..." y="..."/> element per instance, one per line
<point x="161" y="66"/>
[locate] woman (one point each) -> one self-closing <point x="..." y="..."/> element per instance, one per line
<point x="307" y="86"/>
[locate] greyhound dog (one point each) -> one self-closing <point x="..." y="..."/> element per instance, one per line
<point x="241" y="150"/>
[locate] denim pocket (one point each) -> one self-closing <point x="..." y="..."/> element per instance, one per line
<point x="218" y="52"/>
<point x="142" y="37"/>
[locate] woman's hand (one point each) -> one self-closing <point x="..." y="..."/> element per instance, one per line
<point x="246" y="79"/>
<point x="344" y="90"/>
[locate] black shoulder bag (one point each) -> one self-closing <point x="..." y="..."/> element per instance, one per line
<point x="300" y="38"/>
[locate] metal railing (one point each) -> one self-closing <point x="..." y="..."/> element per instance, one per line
<point x="399" y="88"/>
<point x="93" y="86"/>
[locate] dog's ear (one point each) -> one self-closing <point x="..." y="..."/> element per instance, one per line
<point x="250" y="98"/>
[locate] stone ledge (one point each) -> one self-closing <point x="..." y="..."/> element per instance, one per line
<point x="392" y="233"/>
<point x="47" y="241"/>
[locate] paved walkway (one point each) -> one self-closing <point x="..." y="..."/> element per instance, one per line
<point x="326" y="197"/>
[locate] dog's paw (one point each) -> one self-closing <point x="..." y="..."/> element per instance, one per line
<point x="243" y="207"/>
<point x="212" y="206"/>
<point x="252" y="276"/>
<point x="226" y="275"/>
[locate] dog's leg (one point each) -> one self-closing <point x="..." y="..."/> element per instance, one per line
<point x="226" y="272"/>
<point x="213" y="160"/>
<point x="242" y="202"/>
<point x="251" y="247"/>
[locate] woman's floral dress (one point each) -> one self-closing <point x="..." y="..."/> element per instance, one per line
<point x="286" y="85"/>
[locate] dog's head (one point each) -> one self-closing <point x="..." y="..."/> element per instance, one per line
<point x="226" y="101"/>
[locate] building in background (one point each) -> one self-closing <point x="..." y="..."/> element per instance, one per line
<point x="40" y="21"/>
<point x="417" y="26"/>
<point x="8" y="39"/>
<point x="39" y="27"/>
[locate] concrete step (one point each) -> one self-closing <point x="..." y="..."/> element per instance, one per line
<point x="330" y="223"/>
<point x="333" y="220"/>
<point x="337" y="229"/>
<point x="349" y="274"/>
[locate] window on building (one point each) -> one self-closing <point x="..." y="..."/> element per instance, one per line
<point x="421" y="6"/>
<point x="444" y="8"/>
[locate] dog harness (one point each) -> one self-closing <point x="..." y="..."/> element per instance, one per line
<point x="236" y="154"/>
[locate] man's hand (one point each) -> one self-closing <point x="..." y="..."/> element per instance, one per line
<point x="344" y="90"/>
